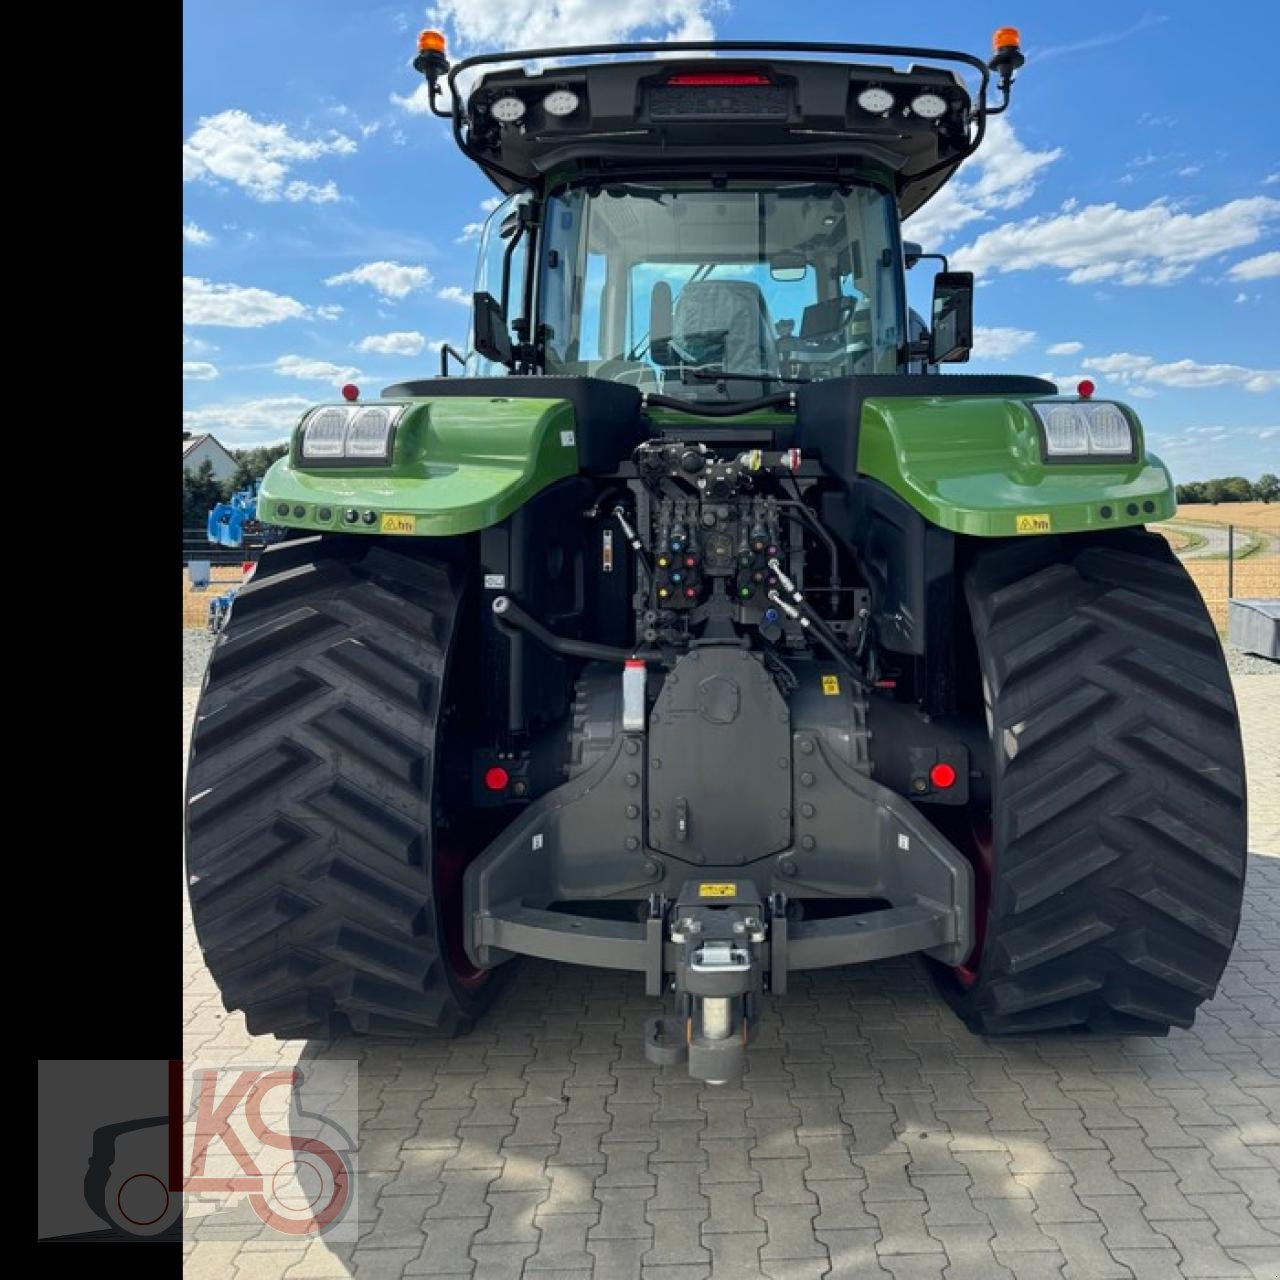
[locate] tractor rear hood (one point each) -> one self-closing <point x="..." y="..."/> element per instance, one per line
<point x="731" y="115"/>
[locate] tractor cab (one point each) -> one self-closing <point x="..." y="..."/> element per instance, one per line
<point x="712" y="230"/>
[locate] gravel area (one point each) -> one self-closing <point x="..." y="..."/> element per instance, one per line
<point x="1240" y="663"/>
<point x="196" y="644"/>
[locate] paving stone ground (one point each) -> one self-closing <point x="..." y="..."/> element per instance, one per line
<point x="872" y="1136"/>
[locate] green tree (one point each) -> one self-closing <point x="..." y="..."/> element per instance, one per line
<point x="1193" y="491"/>
<point x="1237" y="489"/>
<point x="200" y="492"/>
<point x="251" y="466"/>
<point x="1267" y="489"/>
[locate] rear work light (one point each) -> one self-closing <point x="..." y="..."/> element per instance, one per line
<point x="718" y="79"/>
<point x="1084" y="431"/>
<point x="348" y="433"/>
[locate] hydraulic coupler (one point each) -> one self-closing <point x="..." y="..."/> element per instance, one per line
<point x="718" y="931"/>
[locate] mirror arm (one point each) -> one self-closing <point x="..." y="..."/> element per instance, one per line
<point x="445" y="352"/>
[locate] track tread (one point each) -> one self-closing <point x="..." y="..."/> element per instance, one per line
<point x="310" y="813"/>
<point x="1119" y="814"/>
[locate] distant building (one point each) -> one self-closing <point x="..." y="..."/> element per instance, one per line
<point x="197" y="448"/>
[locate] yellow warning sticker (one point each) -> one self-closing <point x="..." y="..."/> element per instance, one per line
<point x="831" y="686"/>
<point x="1034" y="524"/>
<point x="717" y="891"/>
<point x="398" y="524"/>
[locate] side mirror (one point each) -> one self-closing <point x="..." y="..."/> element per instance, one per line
<point x="491" y="338"/>
<point x="952" y="336"/>
<point x="911" y="253"/>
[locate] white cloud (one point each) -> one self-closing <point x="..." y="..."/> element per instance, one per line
<point x="392" y="344"/>
<point x="235" y="306"/>
<point x="257" y="156"/>
<point x="1242" y="296"/>
<point x="330" y="311"/>
<point x="1002" y="175"/>
<point x="298" y="191"/>
<point x="1189" y="170"/>
<point x="248" y="421"/>
<point x="452" y="293"/>
<point x="198" y="371"/>
<point x="197" y="346"/>
<point x="999" y="342"/>
<point x="195" y="235"/>
<point x="535" y="24"/>
<point x="390" y="280"/>
<point x="314" y="370"/>
<point x="1131" y="370"/>
<point x="1152" y="245"/>
<point x="1065" y="348"/>
<point x="1271" y="179"/>
<point x="1263" y="267"/>
<point x="472" y="230"/>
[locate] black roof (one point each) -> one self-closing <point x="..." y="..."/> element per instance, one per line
<point x="737" y="114"/>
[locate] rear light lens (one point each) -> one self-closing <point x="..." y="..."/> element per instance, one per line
<point x="1066" y="433"/>
<point x="1109" y="430"/>
<point x="721" y="79"/>
<point x="1085" y="429"/>
<point x="560" y="102"/>
<point x="368" y="434"/>
<point x="325" y="433"/>
<point x="508" y="109"/>
<point x="943" y="775"/>
<point x="334" y="433"/>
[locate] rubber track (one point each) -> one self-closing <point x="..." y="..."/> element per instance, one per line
<point x="1119" y="817"/>
<point x="309" y="821"/>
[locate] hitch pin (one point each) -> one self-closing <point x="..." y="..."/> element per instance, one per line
<point x="620" y="515"/>
<point x="780" y="574"/>
<point x="789" y="609"/>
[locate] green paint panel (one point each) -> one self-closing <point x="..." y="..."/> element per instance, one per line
<point x="460" y="464"/>
<point x="973" y="464"/>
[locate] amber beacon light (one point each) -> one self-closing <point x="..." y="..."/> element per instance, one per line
<point x="1006" y="58"/>
<point x="432" y="63"/>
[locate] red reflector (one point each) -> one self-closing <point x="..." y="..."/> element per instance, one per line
<point x="496" y="779"/>
<point x="942" y="776"/>
<point x="1085" y="389"/>
<point x="720" y="78"/>
<point x="350" y="391"/>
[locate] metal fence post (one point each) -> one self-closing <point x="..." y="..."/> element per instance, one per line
<point x="1231" y="561"/>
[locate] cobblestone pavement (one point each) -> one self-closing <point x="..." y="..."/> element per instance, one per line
<point x="872" y="1136"/>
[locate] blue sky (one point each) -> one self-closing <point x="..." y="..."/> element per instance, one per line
<point x="1124" y="221"/>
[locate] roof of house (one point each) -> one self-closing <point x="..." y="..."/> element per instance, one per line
<point x="194" y="442"/>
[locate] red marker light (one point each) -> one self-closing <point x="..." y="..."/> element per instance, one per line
<point x="350" y="391"/>
<point x="690" y="561"/>
<point x="942" y="776"/>
<point x="1085" y="389"/>
<point x="497" y="778"/>
<point x="691" y="593"/>
<point x="718" y="78"/>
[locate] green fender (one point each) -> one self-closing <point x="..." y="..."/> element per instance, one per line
<point x="459" y="464"/>
<point x="974" y="464"/>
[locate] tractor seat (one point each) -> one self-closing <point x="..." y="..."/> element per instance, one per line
<point x="725" y="323"/>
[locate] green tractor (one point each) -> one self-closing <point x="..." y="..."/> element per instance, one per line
<point x="702" y="628"/>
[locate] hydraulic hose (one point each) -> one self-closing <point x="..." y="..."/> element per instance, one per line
<point x="510" y="617"/>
